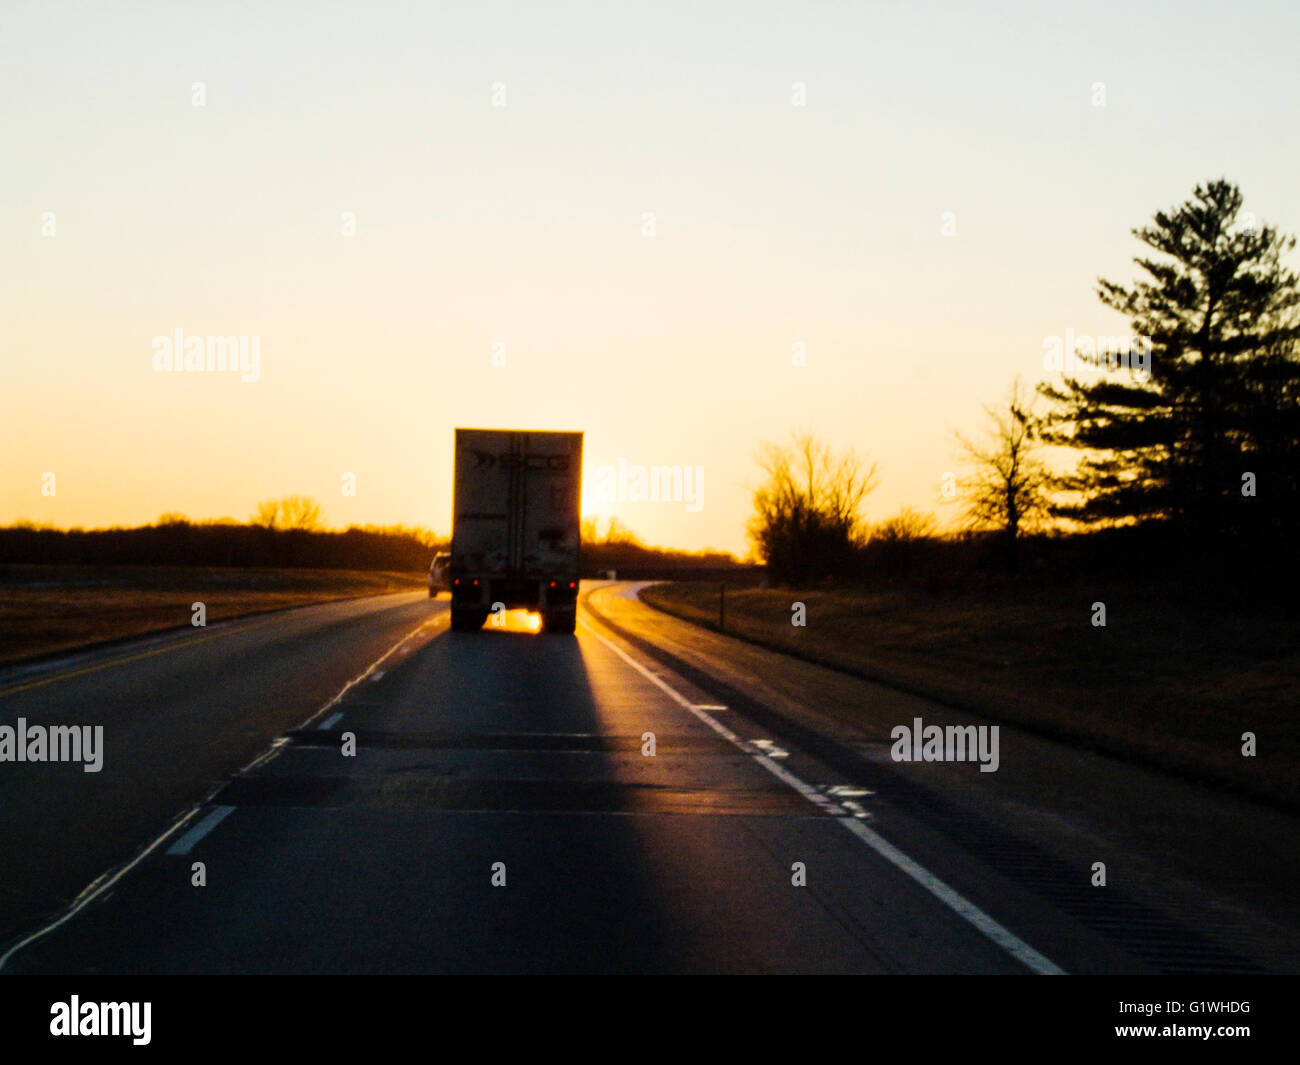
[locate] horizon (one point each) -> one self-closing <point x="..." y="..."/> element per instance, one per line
<point x="423" y="531"/>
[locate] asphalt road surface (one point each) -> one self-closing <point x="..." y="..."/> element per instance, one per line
<point x="360" y="790"/>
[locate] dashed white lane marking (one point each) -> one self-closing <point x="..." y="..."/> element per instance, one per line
<point x="331" y="721"/>
<point x="186" y="843"/>
<point x="97" y="887"/>
<point x="710" y="706"/>
<point x="377" y="675"/>
<point x="959" y="904"/>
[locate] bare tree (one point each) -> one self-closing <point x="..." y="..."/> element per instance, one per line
<point x="267" y="514"/>
<point x="1007" y="486"/>
<point x="300" y="513"/>
<point x="616" y="532"/>
<point x="807" y="510"/>
<point x="901" y="543"/>
<point x="907" y="525"/>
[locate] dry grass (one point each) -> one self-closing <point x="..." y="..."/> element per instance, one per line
<point x="55" y="608"/>
<point x="1174" y="678"/>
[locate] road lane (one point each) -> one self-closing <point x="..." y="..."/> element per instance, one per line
<point x="1201" y="882"/>
<point x="505" y="746"/>
<point x="180" y="713"/>
<point x="523" y="757"/>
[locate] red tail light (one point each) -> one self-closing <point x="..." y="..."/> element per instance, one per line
<point x="456" y="581"/>
<point x="476" y="584"/>
<point x="552" y="584"/>
<point x="573" y="584"/>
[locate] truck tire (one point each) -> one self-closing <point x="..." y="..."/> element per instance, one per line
<point x="466" y="619"/>
<point x="561" y="622"/>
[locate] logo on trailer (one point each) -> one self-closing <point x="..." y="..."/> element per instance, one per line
<point x="529" y="461"/>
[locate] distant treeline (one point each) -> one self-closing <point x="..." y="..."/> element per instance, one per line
<point x="636" y="562"/>
<point x="181" y="542"/>
<point x="1258" y="568"/>
<point x="187" y="543"/>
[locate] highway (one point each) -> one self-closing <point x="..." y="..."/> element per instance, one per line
<point x="361" y="790"/>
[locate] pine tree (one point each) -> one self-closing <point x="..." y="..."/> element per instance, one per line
<point x="1220" y="397"/>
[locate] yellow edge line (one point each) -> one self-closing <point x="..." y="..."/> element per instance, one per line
<point x="129" y="658"/>
<point x="253" y="624"/>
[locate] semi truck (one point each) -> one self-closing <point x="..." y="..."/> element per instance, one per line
<point x="516" y="526"/>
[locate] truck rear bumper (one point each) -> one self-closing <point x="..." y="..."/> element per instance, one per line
<point x="514" y="594"/>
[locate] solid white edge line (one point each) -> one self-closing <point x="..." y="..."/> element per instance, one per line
<point x="186" y="843"/>
<point x="959" y="904"/>
<point x="105" y="881"/>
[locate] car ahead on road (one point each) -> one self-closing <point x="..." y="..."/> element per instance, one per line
<point x="438" y="574"/>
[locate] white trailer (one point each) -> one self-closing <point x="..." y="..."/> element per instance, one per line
<point x="516" y="526"/>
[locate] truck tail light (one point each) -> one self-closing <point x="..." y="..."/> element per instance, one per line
<point x="552" y="584"/>
<point x="573" y="584"/>
<point x="456" y="581"/>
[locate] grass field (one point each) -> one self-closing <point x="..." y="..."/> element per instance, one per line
<point x="55" y="608"/>
<point x="1174" y="679"/>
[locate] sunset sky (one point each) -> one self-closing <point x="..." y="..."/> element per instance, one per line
<point x="127" y="212"/>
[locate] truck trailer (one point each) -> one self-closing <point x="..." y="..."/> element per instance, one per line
<point x="516" y="526"/>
